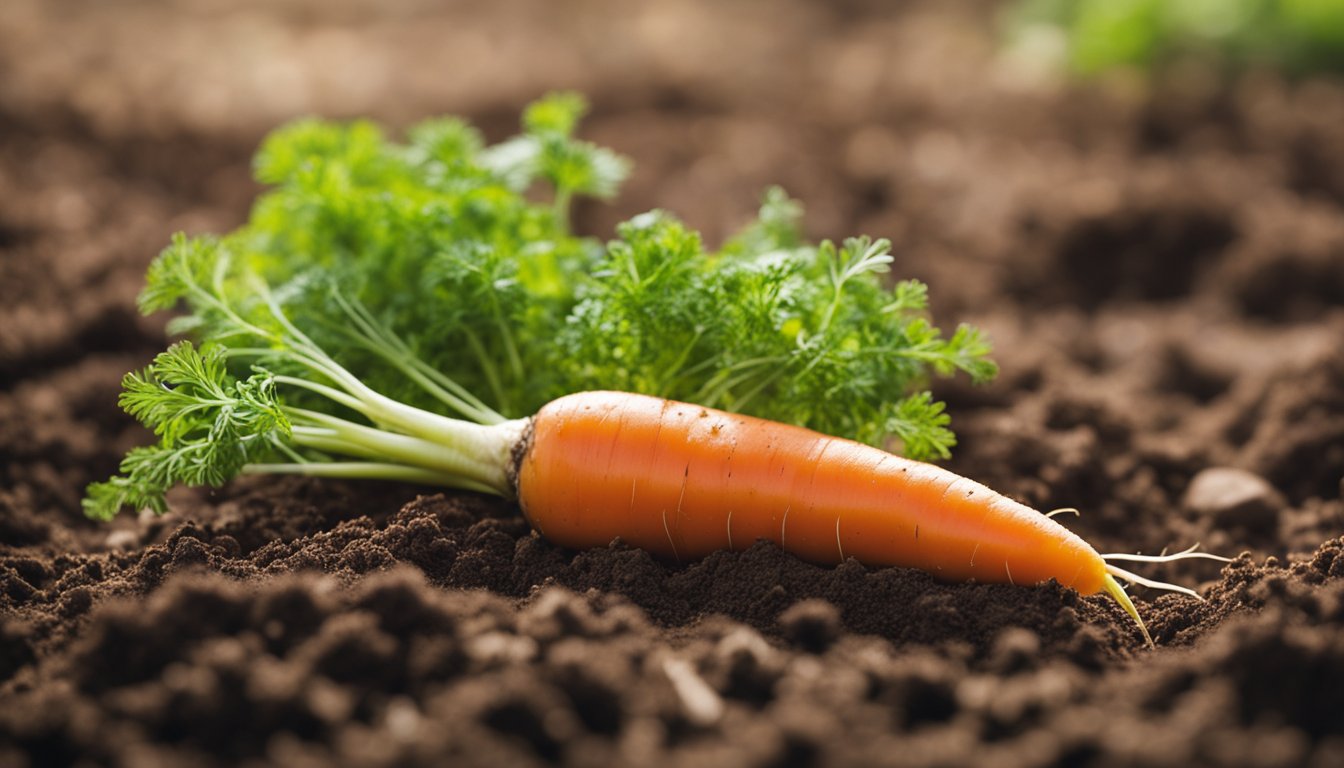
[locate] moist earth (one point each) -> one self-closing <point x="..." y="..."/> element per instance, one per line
<point x="1161" y="270"/>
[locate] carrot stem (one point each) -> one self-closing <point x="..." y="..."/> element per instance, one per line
<point x="366" y="470"/>
<point x="378" y="339"/>
<point x="477" y="456"/>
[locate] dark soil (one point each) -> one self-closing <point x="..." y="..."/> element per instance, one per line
<point x="1162" y="273"/>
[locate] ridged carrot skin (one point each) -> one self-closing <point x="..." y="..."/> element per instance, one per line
<point x="683" y="481"/>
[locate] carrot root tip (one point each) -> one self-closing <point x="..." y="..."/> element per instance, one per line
<point x="1117" y="592"/>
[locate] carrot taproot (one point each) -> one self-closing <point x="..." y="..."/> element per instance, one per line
<point x="682" y="481"/>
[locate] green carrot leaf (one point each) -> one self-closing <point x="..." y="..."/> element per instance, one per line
<point x="386" y="298"/>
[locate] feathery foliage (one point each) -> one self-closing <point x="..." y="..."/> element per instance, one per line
<point x="386" y="304"/>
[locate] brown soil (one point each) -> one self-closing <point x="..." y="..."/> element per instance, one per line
<point x="1162" y="274"/>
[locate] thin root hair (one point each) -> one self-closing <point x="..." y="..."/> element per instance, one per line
<point x="1185" y="554"/>
<point x="1134" y="578"/>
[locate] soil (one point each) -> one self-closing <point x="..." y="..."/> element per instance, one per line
<point x="1161" y="270"/>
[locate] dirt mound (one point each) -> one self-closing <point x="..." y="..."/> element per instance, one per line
<point x="393" y="669"/>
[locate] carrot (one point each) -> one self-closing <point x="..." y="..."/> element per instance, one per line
<point x="683" y="481"/>
<point x="679" y="480"/>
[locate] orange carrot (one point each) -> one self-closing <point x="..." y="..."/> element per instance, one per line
<point x="683" y="481"/>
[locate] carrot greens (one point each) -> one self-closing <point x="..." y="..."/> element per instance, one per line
<point x="396" y="310"/>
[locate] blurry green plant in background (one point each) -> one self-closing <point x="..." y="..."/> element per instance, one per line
<point x="1091" y="37"/>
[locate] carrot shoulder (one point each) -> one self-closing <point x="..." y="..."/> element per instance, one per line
<point x="683" y="481"/>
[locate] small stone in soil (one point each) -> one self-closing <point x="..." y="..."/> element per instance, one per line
<point x="1234" y="497"/>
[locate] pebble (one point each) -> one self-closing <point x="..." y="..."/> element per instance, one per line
<point x="812" y="624"/>
<point x="1234" y="497"/>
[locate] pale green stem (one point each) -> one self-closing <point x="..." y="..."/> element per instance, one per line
<point x="673" y="370"/>
<point x="368" y="470"/>
<point x="374" y="337"/>
<point x="724" y="385"/>
<point x="470" y="452"/>
<point x="510" y="348"/>
<point x="283" y="447"/>
<point x="741" y="402"/>
<point x="417" y="372"/>
<point x="561" y="208"/>
<point x="488" y="368"/>
<point x="322" y="389"/>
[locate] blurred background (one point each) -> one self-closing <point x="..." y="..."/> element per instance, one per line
<point x="714" y="100"/>
<point x="953" y="113"/>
